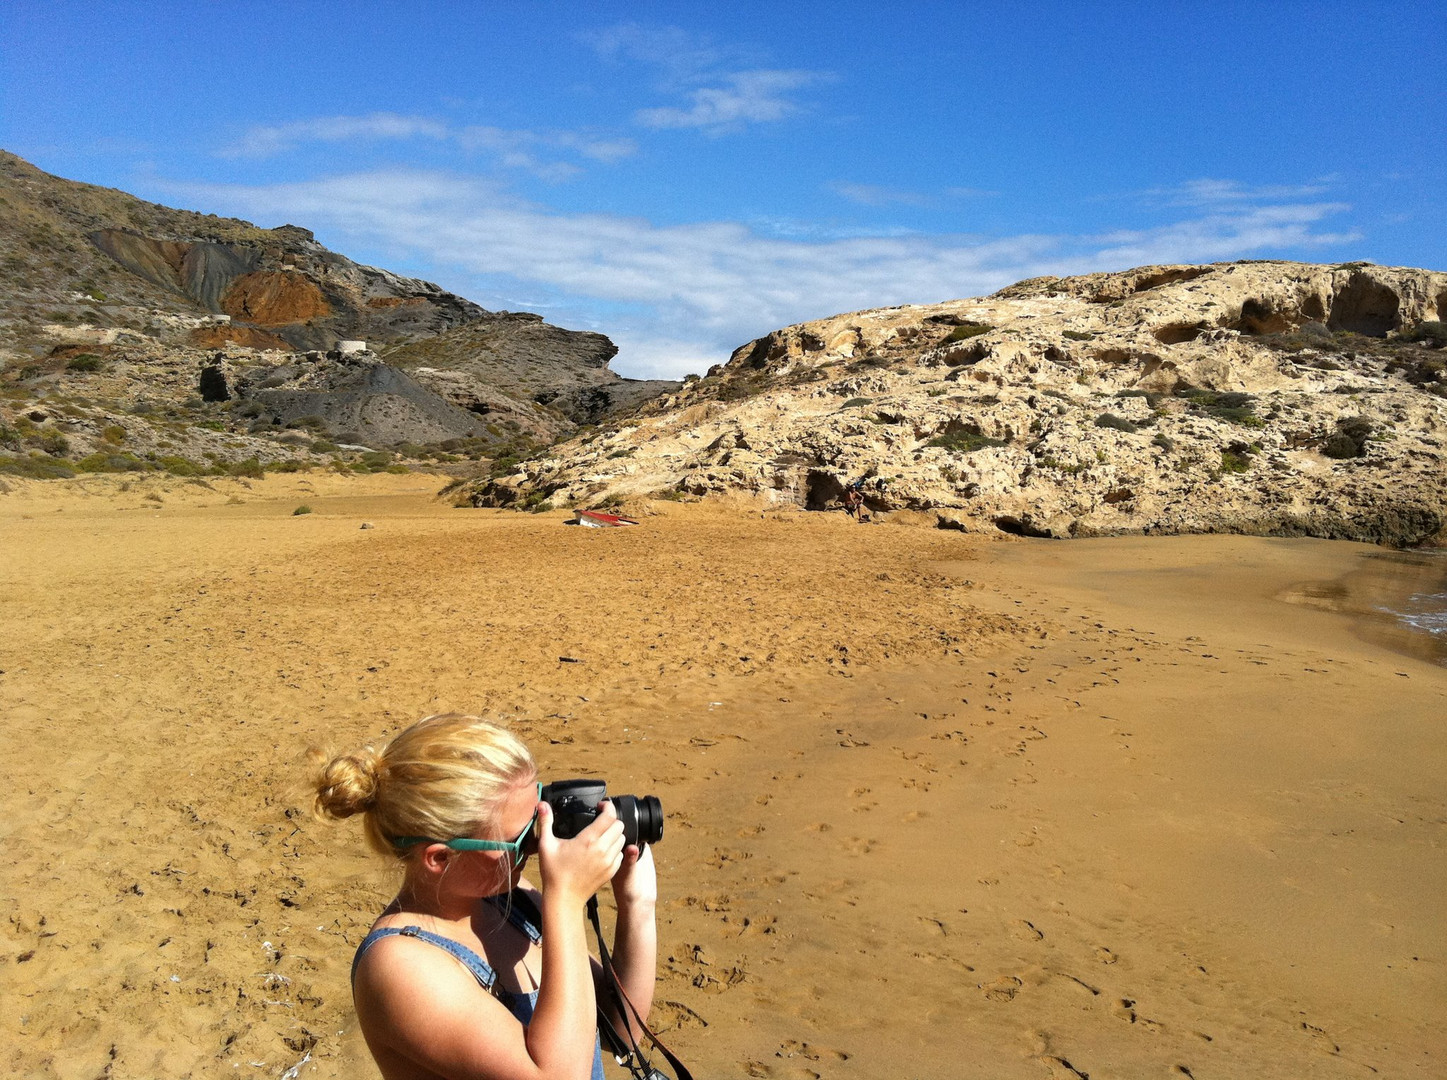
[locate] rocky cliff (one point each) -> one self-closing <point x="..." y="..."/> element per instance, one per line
<point x="112" y="307"/>
<point x="1266" y="397"/>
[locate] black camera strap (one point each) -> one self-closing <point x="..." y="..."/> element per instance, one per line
<point x="626" y="1051"/>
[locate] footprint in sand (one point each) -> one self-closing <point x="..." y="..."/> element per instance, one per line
<point x="1025" y="930"/>
<point x="1002" y="989"/>
<point x="1321" y="1039"/>
<point x="793" y="1048"/>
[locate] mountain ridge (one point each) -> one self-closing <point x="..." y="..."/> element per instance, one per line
<point x="110" y="304"/>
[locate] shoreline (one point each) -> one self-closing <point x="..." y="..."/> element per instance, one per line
<point x="961" y="806"/>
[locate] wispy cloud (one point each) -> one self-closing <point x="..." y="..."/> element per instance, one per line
<point x="724" y="89"/>
<point x="1207" y="192"/>
<point x="883" y="195"/>
<point x="540" y="153"/>
<point x="743" y="98"/>
<point x="676" y="295"/>
<point x="269" y="140"/>
<point x="684" y="56"/>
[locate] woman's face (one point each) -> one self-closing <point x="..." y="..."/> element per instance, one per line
<point x="518" y="808"/>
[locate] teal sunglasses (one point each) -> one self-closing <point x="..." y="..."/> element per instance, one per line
<point x="514" y="848"/>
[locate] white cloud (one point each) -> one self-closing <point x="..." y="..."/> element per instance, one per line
<point x="679" y="297"/>
<point x="879" y="194"/>
<point x="1205" y="192"/>
<point x="534" y="152"/>
<point x="268" y="141"/>
<point x="725" y="88"/>
<point x="746" y="97"/>
<point x="883" y="195"/>
<point x="679" y="53"/>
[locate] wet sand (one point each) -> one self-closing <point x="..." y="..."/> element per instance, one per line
<point x="937" y="806"/>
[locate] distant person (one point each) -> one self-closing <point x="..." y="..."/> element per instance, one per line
<point x="472" y="971"/>
<point x="854" y="502"/>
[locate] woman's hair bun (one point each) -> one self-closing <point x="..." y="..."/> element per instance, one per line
<point x="347" y="784"/>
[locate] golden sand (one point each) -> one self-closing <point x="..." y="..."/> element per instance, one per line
<point x="937" y="806"/>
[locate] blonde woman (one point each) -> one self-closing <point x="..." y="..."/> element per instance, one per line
<point x="471" y="971"/>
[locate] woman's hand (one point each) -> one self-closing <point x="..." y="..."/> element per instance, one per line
<point x="636" y="881"/>
<point x="576" y="868"/>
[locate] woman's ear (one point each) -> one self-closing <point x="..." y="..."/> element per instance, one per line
<point x="434" y="858"/>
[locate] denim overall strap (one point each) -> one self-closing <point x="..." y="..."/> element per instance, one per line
<point x="475" y="964"/>
<point x="520" y="910"/>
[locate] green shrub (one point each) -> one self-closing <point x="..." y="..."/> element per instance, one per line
<point x="1430" y="332"/>
<point x="1078" y="335"/>
<point x="1163" y="442"/>
<point x="114" y="434"/>
<point x="36" y="467"/>
<point x="1116" y="423"/>
<point x="106" y="462"/>
<point x="53" y="443"/>
<point x="300" y="510"/>
<point x="1232" y="406"/>
<point x="964" y="442"/>
<point x="855" y="401"/>
<point x="85" y="362"/>
<point x="179" y="466"/>
<point x="251" y="467"/>
<point x="1234" y="462"/>
<point x="966" y="330"/>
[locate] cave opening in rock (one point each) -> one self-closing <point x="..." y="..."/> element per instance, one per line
<point x="1365" y="307"/>
<point x="1015" y="527"/>
<point x="1178" y="333"/>
<point x="1260" y="317"/>
<point x="822" y="490"/>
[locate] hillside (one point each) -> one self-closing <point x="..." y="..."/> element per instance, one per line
<point x="1268" y="397"/>
<point x="111" y="308"/>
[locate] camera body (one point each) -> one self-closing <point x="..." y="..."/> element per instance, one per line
<point x="575" y="805"/>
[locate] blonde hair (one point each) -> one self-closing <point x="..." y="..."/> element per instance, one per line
<point x="444" y="777"/>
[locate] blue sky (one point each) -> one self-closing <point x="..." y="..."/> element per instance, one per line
<point x="685" y="177"/>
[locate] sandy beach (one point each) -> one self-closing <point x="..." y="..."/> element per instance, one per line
<point x="936" y="806"/>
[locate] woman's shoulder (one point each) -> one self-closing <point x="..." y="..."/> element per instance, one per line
<point x="418" y="1004"/>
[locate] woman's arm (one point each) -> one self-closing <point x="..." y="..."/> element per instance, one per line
<point x="563" y="1029"/>
<point x="635" y="938"/>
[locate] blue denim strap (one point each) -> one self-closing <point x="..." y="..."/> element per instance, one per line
<point x="475" y="964"/>
<point x="520" y="910"/>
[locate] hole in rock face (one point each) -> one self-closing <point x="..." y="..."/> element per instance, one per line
<point x="1442" y="306"/>
<point x="1167" y="277"/>
<point x="1365" y="307"/>
<point x="1177" y="333"/>
<point x="822" y="490"/>
<point x="1015" y="527"/>
<point x="1261" y="317"/>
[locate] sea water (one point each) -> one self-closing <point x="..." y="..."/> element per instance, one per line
<point x="1425" y="611"/>
<point x="1409" y="590"/>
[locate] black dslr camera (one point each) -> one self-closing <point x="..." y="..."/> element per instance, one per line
<point x="575" y="805"/>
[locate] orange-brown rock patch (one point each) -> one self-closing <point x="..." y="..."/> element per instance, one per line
<point x="274" y="298"/>
<point x="213" y="337"/>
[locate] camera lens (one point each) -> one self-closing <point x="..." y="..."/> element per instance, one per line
<point x="642" y="818"/>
